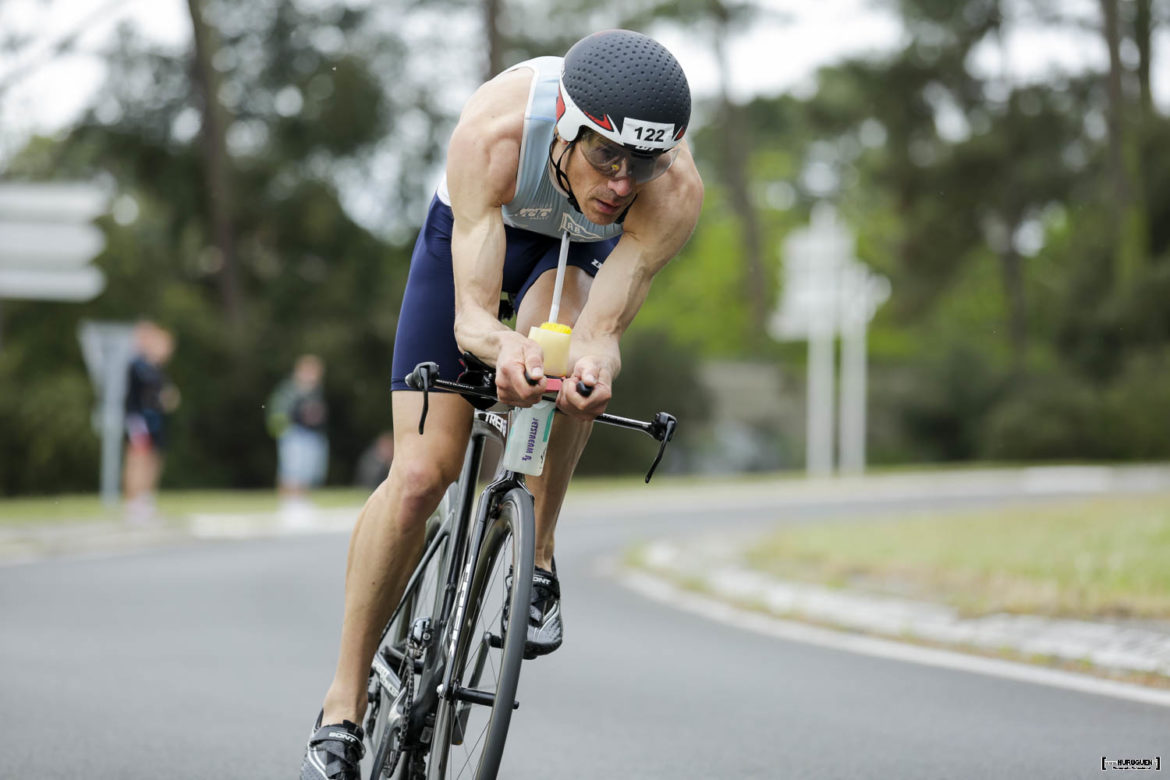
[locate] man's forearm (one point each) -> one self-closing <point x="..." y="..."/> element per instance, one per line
<point x="481" y="334"/>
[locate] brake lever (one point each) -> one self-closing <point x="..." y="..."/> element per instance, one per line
<point x="661" y="429"/>
<point x="420" y="379"/>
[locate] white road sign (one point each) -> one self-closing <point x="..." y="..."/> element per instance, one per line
<point x="828" y="292"/>
<point x="47" y="240"/>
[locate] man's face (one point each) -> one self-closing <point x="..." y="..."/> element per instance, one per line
<point x="602" y="198"/>
<point x="606" y="177"/>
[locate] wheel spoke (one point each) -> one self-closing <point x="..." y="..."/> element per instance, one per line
<point x="482" y="666"/>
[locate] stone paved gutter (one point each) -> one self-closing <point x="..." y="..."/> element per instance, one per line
<point x="712" y="566"/>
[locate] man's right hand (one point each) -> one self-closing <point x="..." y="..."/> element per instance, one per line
<point x="520" y="379"/>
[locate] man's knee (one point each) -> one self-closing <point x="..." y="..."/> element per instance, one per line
<point x="418" y="485"/>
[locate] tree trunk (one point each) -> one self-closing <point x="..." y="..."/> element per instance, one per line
<point x="492" y="11"/>
<point x="1129" y="221"/>
<point x="220" y="194"/>
<point x="1143" y="28"/>
<point x="735" y="154"/>
<point x="1011" y="266"/>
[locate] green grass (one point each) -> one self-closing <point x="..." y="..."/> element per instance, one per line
<point x="89" y="508"/>
<point x="1089" y="558"/>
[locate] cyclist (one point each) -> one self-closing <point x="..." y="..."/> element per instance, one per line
<point x="589" y="145"/>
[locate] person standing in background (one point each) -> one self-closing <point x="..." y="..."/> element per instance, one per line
<point x="374" y="464"/>
<point x="297" y="414"/>
<point x="150" y="397"/>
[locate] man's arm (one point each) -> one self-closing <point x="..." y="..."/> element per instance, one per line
<point x="482" y="161"/>
<point x="658" y="226"/>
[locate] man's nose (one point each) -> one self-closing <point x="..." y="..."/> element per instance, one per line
<point x="622" y="186"/>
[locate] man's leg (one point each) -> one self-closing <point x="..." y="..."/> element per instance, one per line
<point x="387" y="540"/>
<point x="568" y="435"/>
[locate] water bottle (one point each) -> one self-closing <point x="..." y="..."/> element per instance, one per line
<point x="527" y="441"/>
<point x="553" y="338"/>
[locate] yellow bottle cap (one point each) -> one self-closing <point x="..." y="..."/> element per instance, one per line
<point x="556" y="327"/>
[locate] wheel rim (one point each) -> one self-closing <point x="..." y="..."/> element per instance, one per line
<point x="482" y="664"/>
<point x="391" y="709"/>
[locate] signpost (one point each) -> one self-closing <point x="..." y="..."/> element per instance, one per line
<point x="826" y="292"/>
<point x="47" y="240"/>
<point x="108" y="348"/>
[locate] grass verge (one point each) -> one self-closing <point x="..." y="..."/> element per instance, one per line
<point x="89" y="508"/>
<point x="1090" y="558"/>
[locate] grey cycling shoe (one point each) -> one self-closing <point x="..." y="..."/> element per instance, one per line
<point x="545" y="627"/>
<point x="334" y="752"/>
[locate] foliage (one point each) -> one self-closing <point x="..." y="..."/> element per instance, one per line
<point x="1017" y="325"/>
<point x="313" y="279"/>
<point x="657" y="375"/>
<point x="315" y="95"/>
<point x="1022" y="323"/>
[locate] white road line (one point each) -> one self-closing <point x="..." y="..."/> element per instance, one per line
<point x="659" y="590"/>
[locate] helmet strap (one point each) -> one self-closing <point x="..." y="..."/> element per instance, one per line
<point x="562" y="177"/>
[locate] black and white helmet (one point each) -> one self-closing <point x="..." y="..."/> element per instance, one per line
<point x="626" y="87"/>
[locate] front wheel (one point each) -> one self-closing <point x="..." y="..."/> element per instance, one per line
<point x="393" y="679"/>
<point x="471" y="727"/>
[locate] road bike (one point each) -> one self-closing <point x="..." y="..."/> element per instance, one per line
<point x="443" y="683"/>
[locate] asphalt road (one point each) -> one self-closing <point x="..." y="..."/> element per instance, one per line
<point x="209" y="661"/>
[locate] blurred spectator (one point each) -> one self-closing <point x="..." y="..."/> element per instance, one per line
<point x="374" y="464"/>
<point x="296" y="417"/>
<point x="150" y="397"/>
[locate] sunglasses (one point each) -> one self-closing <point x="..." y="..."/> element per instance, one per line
<point x="617" y="162"/>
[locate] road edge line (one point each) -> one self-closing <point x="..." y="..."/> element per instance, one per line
<point x="713" y="609"/>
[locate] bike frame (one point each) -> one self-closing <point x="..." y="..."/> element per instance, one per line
<point x="465" y="537"/>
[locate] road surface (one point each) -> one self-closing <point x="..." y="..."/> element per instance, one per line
<point x="209" y="660"/>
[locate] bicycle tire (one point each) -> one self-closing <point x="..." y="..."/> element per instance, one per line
<point x="507" y="546"/>
<point x="419" y="600"/>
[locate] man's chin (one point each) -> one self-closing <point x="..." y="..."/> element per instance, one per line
<point x="603" y="215"/>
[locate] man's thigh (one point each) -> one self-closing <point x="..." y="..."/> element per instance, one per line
<point x="534" y="307"/>
<point x="443" y="442"/>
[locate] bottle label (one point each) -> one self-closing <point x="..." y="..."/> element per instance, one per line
<point x="527" y="442"/>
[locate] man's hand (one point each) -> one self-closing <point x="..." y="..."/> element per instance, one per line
<point x="594" y="374"/>
<point x="520" y="379"/>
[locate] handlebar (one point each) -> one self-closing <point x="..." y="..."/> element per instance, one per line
<point x="425" y="377"/>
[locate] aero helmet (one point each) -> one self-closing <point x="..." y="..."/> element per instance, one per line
<point x="626" y="87"/>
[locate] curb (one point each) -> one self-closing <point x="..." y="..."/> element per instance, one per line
<point x="710" y="565"/>
<point x="665" y="592"/>
<point x="38" y="542"/>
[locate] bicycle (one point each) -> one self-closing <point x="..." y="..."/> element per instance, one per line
<point x="447" y="668"/>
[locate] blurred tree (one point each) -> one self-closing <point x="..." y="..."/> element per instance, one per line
<point x="733" y="139"/>
<point x="944" y="166"/>
<point x="220" y="192"/>
<point x="1129" y="227"/>
<point x="300" y="102"/>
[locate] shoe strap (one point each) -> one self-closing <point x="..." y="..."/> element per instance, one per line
<point x="341" y="741"/>
<point x="546" y="579"/>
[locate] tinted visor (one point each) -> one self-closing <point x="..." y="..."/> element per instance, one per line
<point x="615" y="161"/>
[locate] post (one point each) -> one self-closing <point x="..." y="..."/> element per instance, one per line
<point x="853" y="395"/>
<point x="861" y="293"/>
<point x="108" y="348"/>
<point x="113" y="420"/>
<point x="819" y="447"/>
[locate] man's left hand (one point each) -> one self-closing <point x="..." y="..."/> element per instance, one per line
<point x="593" y="374"/>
